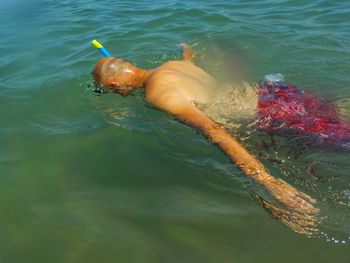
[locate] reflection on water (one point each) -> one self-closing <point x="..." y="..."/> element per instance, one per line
<point x="302" y="223"/>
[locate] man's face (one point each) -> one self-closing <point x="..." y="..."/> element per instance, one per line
<point x="115" y="75"/>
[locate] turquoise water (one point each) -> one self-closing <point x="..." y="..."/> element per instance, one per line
<point x="89" y="178"/>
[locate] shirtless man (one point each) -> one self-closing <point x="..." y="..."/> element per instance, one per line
<point x="173" y="87"/>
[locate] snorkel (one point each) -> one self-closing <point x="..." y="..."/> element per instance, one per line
<point x="98" y="90"/>
<point x="100" y="48"/>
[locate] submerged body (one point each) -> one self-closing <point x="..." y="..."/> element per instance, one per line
<point x="283" y="109"/>
<point x="176" y="87"/>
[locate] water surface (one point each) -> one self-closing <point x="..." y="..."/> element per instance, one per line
<point x="88" y="178"/>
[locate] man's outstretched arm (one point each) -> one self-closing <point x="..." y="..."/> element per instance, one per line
<point x="177" y="105"/>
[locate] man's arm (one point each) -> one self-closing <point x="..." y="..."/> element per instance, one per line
<point x="185" y="111"/>
<point x="187" y="53"/>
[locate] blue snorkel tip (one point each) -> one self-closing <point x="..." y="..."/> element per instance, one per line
<point x="100" y="48"/>
<point x="104" y="52"/>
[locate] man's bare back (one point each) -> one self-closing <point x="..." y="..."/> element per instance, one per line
<point x="175" y="87"/>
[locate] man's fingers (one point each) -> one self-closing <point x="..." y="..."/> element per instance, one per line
<point x="307" y="198"/>
<point x="293" y="199"/>
<point x="308" y="201"/>
<point x="303" y="205"/>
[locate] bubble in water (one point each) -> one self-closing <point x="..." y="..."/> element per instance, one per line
<point x="274" y="78"/>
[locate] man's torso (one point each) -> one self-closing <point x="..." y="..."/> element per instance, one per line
<point x="184" y="78"/>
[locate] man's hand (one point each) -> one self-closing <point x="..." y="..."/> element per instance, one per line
<point x="303" y="223"/>
<point x="290" y="197"/>
<point x="187" y="53"/>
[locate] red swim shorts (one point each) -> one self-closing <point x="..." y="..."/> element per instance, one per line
<point x="285" y="110"/>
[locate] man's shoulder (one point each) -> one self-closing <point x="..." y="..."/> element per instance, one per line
<point x="166" y="79"/>
<point x="169" y="71"/>
<point x="161" y="80"/>
<point x="176" y="65"/>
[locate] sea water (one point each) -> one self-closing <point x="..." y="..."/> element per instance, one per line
<point x="88" y="178"/>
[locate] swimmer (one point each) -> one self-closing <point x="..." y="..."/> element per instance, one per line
<point x="176" y="87"/>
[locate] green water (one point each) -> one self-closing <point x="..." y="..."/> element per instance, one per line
<point x="88" y="178"/>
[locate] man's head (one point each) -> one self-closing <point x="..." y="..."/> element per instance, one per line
<point x="115" y="75"/>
